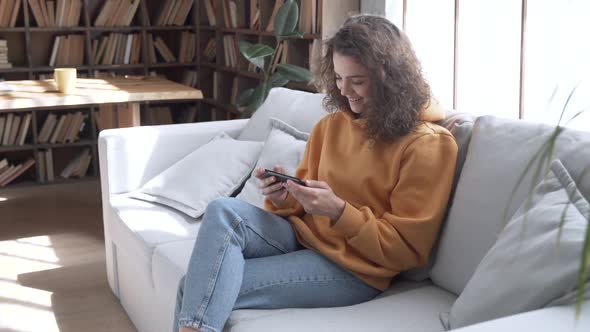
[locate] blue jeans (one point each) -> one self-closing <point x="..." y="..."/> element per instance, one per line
<point x="246" y="257"/>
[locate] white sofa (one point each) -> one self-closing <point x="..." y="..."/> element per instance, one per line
<point x="148" y="246"/>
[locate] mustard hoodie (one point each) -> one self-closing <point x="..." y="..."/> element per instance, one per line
<point x="396" y="195"/>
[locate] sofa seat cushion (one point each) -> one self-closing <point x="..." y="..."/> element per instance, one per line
<point x="412" y="310"/>
<point x="142" y="226"/>
<point x="405" y="306"/>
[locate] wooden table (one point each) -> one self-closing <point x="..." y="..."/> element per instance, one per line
<point x="127" y="92"/>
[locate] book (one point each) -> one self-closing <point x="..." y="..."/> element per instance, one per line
<point x="2" y="124"/>
<point x="14" y="15"/>
<point x="41" y="166"/>
<point x="210" y="10"/>
<point x="7" y="128"/>
<point x="47" y="128"/>
<point x="49" y="165"/>
<point x="74" y="164"/>
<point x="275" y="10"/>
<point x="58" y="129"/>
<point x="14" y="129"/>
<point x="8" y="172"/>
<point x="18" y="171"/>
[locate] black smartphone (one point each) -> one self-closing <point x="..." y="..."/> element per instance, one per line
<point x="282" y="177"/>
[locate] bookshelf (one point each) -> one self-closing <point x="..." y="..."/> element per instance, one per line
<point x="173" y="38"/>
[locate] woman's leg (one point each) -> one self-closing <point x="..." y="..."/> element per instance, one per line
<point x="299" y="279"/>
<point x="231" y="231"/>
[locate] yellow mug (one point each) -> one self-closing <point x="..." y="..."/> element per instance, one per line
<point x="65" y="79"/>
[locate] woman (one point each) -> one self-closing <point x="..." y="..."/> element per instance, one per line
<point x="378" y="177"/>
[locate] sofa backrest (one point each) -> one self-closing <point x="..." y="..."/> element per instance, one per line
<point x="299" y="109"/>
<point x="460" y="125"/>
<point x="498" y="155"/>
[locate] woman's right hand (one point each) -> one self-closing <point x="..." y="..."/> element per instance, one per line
<point x="275" y="192"/>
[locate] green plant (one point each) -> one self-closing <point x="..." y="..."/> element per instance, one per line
<point x="540" y="165"/>
<point x="262" y="56"/>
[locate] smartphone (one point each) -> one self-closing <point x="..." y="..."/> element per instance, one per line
<point x="282" y="177"/>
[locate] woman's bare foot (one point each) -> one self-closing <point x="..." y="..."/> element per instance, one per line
<point x="187" y="329"/>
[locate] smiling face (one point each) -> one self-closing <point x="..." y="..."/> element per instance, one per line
<point x="352" y="79"/>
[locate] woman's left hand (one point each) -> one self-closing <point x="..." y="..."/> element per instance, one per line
<point x="317" y="198"/>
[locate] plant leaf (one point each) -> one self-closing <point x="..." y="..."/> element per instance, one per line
<point x="583" y="269"/>
<point x="258" y="97"/>
<point x="294" y="73"/>
<point x="245" y="97"/>
<point x="286" y="18"/>
<point x="277" y="80"/>
<point x="255" y="53"/>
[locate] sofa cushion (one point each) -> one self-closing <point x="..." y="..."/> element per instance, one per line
<point x="139" y="227"/>
<point x="405" y="306"/>
<point x="460" y="125"/>
<point x="408" y="311"/>
<point x="213" y="170"/>
<point x="299" y="109"/>
<point x="498" y="154"/>
<point x="284" y="146"/>
<point x="531" y="245"/>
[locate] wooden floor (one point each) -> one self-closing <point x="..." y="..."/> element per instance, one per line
<point x="52" y="261"/>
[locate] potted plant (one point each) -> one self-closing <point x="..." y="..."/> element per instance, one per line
<point x="263" y="56"/>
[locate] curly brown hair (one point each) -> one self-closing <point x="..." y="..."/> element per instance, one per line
<point x="398" y="88"/>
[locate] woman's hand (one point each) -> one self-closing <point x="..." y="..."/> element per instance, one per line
<point x="275" y="192"/>
<point x="317" y="198"/>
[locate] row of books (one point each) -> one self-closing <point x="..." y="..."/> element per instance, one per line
<point x="236" y="14"/>
<point x="61" y="13"/>
<point x="14" y="128"/>
<point x="78" y="166"/>
<point x="4" y="54"/>
<point x="174" y="12"/>
<point x="9" y="13"/>
<point x="189" y="78"/>
<point x="117" y="48"/>
<point x="117" y="13"/>
<point x="187" y="50"/>
<point x="9" y="172"/>
<point x="64" y="129"/>
<point x="310" y="16"/>
<point x="230" y="51"/>
<point x="162" y="48"/>
<point x="67" y="50"/>
<point x="45" y="165"/>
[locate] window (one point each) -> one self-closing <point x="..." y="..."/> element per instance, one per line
<point x="494" y="41"/>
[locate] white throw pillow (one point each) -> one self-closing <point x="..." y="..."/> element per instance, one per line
<point x="300" y="109"/>
<point x="284" y="146"/>
<point x="526" y="269"/>
<point x="214" y="170"/>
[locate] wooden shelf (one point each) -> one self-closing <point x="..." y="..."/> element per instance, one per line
<point x="84" y="142"/>
<point x="10" y="148"/>
<point x="58" y="29"/>
<point x="116" y="29"/>
<point x="15" y="70"/>
<point x="171" y="28"/>
<point x="15" y="29"/>
<point x="171" y="65"/>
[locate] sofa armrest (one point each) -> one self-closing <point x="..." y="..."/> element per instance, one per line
<point x="129" y="157"/>
<point x="558" y="318"/>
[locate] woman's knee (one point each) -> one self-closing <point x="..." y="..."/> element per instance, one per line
<point x="223" y="204"/>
